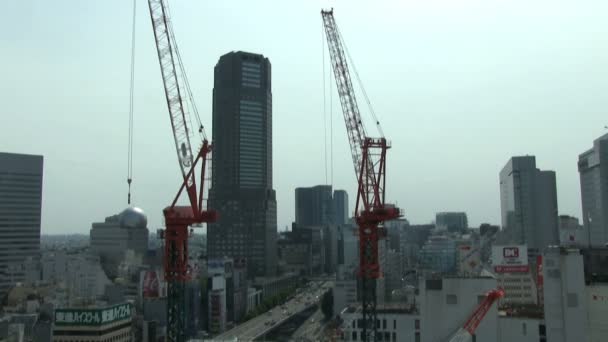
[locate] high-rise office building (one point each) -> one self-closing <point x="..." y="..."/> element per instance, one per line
<point x="451" y="221"/>
<point x="20" y="206"/>
<point x="340" y="206"/>
<point x="528" y="203"/>
<point x="241" y="189"/>
<point x="314" y="206"/>
<point x="593" y="169"/>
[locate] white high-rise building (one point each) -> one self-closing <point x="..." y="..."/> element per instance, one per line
<point x="593" y="170"/>
<point x="566" y="314"/>
<point x="20" y="206"/>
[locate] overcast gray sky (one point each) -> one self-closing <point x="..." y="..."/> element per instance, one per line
<point x="460" y="86"/>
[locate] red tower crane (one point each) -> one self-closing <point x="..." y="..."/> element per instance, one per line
<point x="468" y="329"/>
<point x="179" y="218"/>
<point x="369" y="160"/>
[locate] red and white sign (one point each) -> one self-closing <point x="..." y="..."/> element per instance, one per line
<point x="510" y="259"/>
<point x="510" y="252"/>
<point x="512" y="269"/>
<point x="150" y="285"/>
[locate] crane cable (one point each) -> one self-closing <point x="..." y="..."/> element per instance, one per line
<point x="369" y="104"/>
<point x="186" y="85"/>
<point x="324" y="100"/>
<point x="326" y="89"/>
<point x="131" y="91"/>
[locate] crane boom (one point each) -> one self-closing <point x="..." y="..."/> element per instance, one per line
<point x="468" y="329"/>
<point x="369" y="160"/>
<point x="179" y="218"/>
<point x="346" y="92"/>
<point x="173" y="88"/>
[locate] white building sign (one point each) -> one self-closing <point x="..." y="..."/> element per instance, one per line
<point x="510" y="259"/>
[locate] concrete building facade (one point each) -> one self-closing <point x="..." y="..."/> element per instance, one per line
<point x="593" y="170"/>
<point x="451" y="221"/>
<point x="395" y="324"/>
<point x="528" y="202"/>
<point x="81" y="273"/>
<point x="341" y="207"/>
<point x="571" y="233"/>
<point x="446" y="303"/>
<point x="241" y="189"/>
<point x="521" y="329"/>
<point x="520" y="288"/>
<point x="440" y="309"/>
<point x="565" y="295"/>
<point x="20" y="212"/>
<point x="439" y="255"/>
<point x="112" y="238"/>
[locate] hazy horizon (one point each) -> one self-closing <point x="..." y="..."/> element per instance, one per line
<point x="459" y="88"/>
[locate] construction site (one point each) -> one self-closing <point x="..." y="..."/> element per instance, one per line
<point x="215" y="257"/>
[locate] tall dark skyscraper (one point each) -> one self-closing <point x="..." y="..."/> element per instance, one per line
<point x="341" y="206"/>
<point x="314" y="206"/>
<point x="20" y="207"/>
<point x="528" y="202"/>
<point x="241" y="189"/>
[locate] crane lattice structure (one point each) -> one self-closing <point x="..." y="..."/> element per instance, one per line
<point x="466" y="332"/>
<point x="369" y="160"/>
<point x="179" y="218"/>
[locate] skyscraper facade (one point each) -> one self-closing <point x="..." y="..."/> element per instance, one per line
<point x="241" y="188"/>
<point x="314" y="206"/>
<point x="20" y="206"/>
<point x="593" y="170"/>
<point x="528" y="203"/>
<point x="341" y="206"/>
<point x="451" y="221"/>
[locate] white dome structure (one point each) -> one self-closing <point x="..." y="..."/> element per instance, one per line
<point x="133" y="217"/>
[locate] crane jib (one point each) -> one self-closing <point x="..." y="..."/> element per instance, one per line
<point x="369" y="161"/>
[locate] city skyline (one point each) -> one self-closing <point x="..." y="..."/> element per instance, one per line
<point x="519" y="97"/>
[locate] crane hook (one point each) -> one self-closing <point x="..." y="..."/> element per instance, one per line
<point x="129" y="194"/>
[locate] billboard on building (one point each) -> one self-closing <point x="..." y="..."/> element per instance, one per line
<point x="510" y="259"/>
<point x="150" y="286"/>
<point x="93" y="317"/>
<point x="469" y="259"/>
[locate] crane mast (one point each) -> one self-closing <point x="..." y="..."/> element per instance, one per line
<point x="369" y="160"/>
<point x="178" y="218"/>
